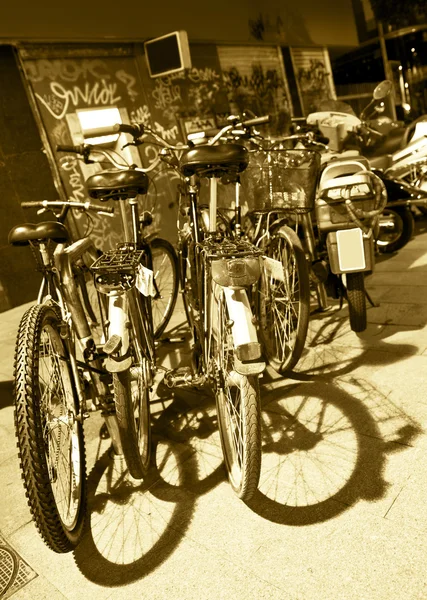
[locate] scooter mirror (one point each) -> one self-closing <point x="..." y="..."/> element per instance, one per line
<point x="382" y="90"/>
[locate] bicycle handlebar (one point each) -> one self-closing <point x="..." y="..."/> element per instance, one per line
<point x="107" y="210"/>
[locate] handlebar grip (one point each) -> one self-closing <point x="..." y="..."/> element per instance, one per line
<point x="65" y="148"/>
<point x="322" y="139"/>
<point x="104" y="209"/>
<point x="136" y="130"/>
<point x="101" y="131"/>
<point x="30" y="204"/>
<point x="256" y="121"/>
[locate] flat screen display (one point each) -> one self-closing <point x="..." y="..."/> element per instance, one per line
<point x="168" y="54"/>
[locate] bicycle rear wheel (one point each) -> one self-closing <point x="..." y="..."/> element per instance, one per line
<point x="165" y="272"/>
<point x="239" y="409"/>
<point x="284" y="300"/>
<point x="132" y="401"/>
<point x="50" y="438"/>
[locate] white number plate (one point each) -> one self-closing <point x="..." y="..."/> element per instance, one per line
<point x="351" y="252"/>
<point x="144" y="281"/>
<point x="274" y="268"/>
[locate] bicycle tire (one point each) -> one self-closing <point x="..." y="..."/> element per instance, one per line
<point x="239" y="413"/>
<point x="165" y="270"/>
<point x="47" y="429"/>
<point x="132" y="402"/>
<point x="284" y="306"/>
<point x="356" y="299"/>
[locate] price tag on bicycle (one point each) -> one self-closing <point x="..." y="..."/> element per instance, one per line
<point x="145" y="281"/>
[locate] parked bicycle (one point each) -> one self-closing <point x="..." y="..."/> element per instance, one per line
<point x="216" y="271"/>
<point x="56" y="368"/>
<point x="59" y="365"/>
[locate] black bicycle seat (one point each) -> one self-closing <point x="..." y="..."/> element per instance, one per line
<point x="214" y="161"/>
<point x="21" y="235"/>
<point x="117" y="184"/>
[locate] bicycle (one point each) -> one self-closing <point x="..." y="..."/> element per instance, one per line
<point x="162" y="254"/>
<point x="50" y="410"/>
<point x="279" y="186"/>
<point x="216" y="271"/>
<point x="51" y="382"/>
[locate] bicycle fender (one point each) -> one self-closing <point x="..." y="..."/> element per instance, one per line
<point x="117" y="345"/>
<point x="247" y="350"/>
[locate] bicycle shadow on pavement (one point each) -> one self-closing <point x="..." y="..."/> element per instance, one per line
<point x="325" y="448"/>
<point x="6" y="394"/>
<point x="134" y="526"/>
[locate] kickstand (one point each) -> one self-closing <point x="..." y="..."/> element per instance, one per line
<point x="371" y="302"/>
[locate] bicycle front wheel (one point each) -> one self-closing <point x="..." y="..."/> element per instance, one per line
<point x="132" y="401"/>
<point x="50" y="438"/>
<point x="284" y="300"/>
<point x="165" y="272"/>
<point x="239" y="409"/>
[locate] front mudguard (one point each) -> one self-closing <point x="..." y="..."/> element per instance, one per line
<point x="248" y="358"/>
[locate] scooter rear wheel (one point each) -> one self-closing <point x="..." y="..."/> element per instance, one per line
<point x="356" y="299"/>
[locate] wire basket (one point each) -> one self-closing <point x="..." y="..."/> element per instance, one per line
<point x="282" y="180"/>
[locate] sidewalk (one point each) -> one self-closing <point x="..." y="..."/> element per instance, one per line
<point x="340" y="511"/>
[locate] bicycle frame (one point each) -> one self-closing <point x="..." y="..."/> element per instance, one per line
<point x="59" y="278"/>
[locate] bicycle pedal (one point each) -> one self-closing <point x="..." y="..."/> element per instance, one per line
<point x="113" y="344"/>
<point x="178" y="377"/>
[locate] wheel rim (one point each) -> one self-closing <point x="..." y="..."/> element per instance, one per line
<point x="279" y="304"/>
<point x="60" y="427"/>
<point x="390" y="228"/>
<point x="164" y="278"/>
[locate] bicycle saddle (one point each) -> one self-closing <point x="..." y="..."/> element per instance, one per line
<point x="22" y="235"/>
<point x="214" y="161"/>
<point x="117" y="184"/>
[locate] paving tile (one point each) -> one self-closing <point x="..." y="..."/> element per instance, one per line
<point x="16" y="512"/>
<point x="7" y="433"/>
<point x="39" y="588"/>
<point x="193" y="571"/>
<point x="60" y="570"/>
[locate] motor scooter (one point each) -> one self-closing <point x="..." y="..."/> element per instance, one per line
<point x="350" y="136"/>
<point x="349" y="202"/>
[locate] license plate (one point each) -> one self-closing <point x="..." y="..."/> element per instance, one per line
<point x="351" y="252"/>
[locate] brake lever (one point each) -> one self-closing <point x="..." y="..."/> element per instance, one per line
<point x="134" y="143"/>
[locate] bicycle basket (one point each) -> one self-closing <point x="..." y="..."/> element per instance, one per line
<point x="281" y="179"/>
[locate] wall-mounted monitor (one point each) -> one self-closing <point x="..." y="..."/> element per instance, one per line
<point x="168" y="54"/>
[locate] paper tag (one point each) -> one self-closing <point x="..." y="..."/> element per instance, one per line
<point x="145" y="281"/>
<point x="274" y="268"/>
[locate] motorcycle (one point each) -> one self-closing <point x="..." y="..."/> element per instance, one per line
<point x="351" y="136"/>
